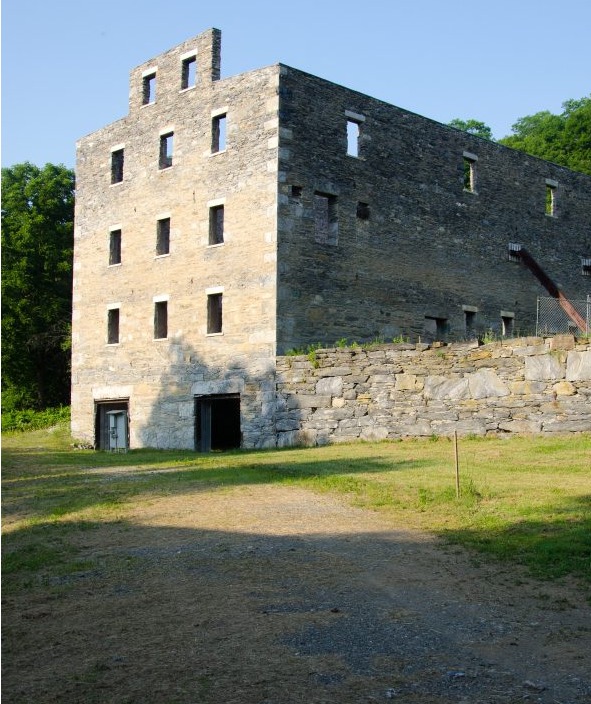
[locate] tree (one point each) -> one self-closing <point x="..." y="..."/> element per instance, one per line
<point x="37" y="244"/>
<point x="564" y="139"/>
<point x="475" y="127"/>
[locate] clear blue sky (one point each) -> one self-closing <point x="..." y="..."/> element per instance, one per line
<point x="66" y="63"/>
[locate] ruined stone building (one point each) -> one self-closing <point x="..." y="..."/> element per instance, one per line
<point x="223" y="222"/>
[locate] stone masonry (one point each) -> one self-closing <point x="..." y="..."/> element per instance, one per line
<point x="527" y="385"/>
<point x="225" y="221"/>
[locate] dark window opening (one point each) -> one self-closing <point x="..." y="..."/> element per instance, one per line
<point x="160" y="320"/>
<point x="214" y="313"/>
<point x="353" y="133"/>
<point x="586" y="266"/>
<point x="114" y="247"/>
<point x="296" y="192"/>
<point x="325" y="219"/>
<point x="216" y="224"/>
<point x="113" y="326"/>
<point x="166" y="144"/>
<point x="363" y="211"/>
<point x="218" y="134"/>
<point x="508" y="324"/>
<point x="149" y="89"/>
<point x="163" y="236"/>
<point x="117" y="166"/>
<point x="435" y="328"/>
<point x="469" y="321"/>
<point x="104" y="438"/>
<point x="189" y="72"/>
<point x="217" y="423"/>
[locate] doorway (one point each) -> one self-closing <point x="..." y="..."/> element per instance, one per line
<point x="217" y="422"/>
<point x="105" y="413"/>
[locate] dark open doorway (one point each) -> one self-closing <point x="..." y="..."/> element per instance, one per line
<point x="102" y="409"/>
<point x="217" y="422"/>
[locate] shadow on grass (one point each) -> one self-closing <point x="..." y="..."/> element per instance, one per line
<point x="555" y="545"/>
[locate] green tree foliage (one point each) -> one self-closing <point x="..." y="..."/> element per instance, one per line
<point x="480" y="129"/>
<point x="564" y="139"/>
<point x="37" y="243"/>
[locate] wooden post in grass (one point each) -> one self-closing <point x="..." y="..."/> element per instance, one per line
<point x="457" y="464"/>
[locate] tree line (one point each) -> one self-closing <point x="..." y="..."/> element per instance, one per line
<point x="37" y="247"/>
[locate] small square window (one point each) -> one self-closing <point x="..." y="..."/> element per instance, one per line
<point x="114" y="247"/>
<point x="166" y="149"/>
<point x="160" y="320"/>
<point x="117" y="165"/>
<point x="216" y="224"/>
<point x="149" y="89"/>
<point x="218" y="134"/>
<point x="163" y="237"/>
<point x="113" y="326"/>
<point x="214" y="313"/>
<point x="189" y="72"/>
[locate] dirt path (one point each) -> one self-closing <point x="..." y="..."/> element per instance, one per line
<point x="275" y="595"/>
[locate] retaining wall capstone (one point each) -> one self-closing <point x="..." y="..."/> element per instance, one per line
<point x="525" y="385"/>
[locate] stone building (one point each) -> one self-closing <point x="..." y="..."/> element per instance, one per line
<point x="223" y="222"/>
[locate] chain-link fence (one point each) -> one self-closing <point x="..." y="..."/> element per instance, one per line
<point x="551" y="319"/>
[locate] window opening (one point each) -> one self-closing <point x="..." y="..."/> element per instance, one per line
<point x="160" y="320"/>
<point x="435" y="328"/>
<point x="296" y="192"/>
<point x="363" y="211"/>
<point x="214" y="313"/>
<point x="586" y="266"/>
<point x="189" y="72"/>
<point x="166" y="145"/>
<point x="507" y="325"/>
<point x="551" y="197"/>
<point x="163" y="236"/>
<point x="325" y="219"/>
<point x="469" y="173"/>
<point x="114" y="247"/>
<point x="149" y="89"/>
<point x="216" y="224"/>
<point x="353" y="132"/>
<point x="113" y="326"/>
<point x="117" y="166"/>
<point x="218" y="134"/>
<point x="469" y="321"/>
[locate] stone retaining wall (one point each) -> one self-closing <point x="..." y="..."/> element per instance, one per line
<point x="526" y="385"/>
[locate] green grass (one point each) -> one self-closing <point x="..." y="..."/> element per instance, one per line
<point x="524" y="500"/>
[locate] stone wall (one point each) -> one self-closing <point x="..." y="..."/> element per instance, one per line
<point x="526" y="385"/>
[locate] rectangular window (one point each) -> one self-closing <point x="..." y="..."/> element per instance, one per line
<point x="189" y="72"/>
<point x="469" y="321"/>
<point x="586" y="266"/>
<point x="166" y="145"/>
<point x="352" y="138"/>
<point x="114" y="247"/>
<point x="218" y="134"/>
<point x="160" y="320"/>
<point x="325" y="219"/>
<point x="214" y="313"/>
<point x="363" y="211"/>
<point x="113" y="326"/>
<point x="551" y="186"/>
<point x="149" y="88"/>
<point x="507" y="323"/>
<point x="117" y="166"/>
<point x="163" y="237"/>
<point x="469" y="166"/>
<point x="435" y="328"/>
<point x="216" y="224"/>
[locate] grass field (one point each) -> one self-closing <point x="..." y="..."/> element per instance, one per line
<point x="523" y="499"/>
